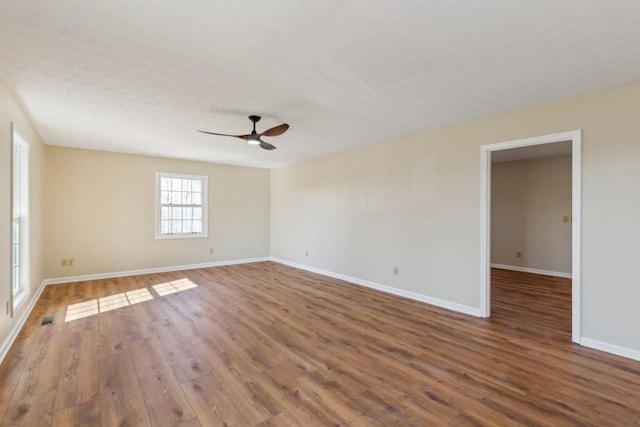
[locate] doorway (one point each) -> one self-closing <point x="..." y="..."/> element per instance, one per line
<point x="574" y="137"/>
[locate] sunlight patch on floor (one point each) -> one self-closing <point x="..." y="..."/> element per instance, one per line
<point x="169" y="288"/>
<point x="124" y="299"/>
<point x="138" y="295"/>
<point x="112" y="302"/>
<point x="81" y="309"/>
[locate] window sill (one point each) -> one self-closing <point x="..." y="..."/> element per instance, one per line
<point x="181" y="236"/>
<point x="19" y="299"/>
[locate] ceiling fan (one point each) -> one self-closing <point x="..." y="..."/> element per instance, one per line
<point x="254" y="137"/>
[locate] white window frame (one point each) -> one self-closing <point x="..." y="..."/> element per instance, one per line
<point x="20" y="194"/>
<point x="204" y="205"/>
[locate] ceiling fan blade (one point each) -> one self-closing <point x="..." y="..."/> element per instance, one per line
<point x="267" y="146"/>
<point x="277" y="130"/>
<point x="225" y="134"/>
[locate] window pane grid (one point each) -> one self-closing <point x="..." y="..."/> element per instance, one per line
<point x="181" y="205"/>
<point x="20" y="219"/>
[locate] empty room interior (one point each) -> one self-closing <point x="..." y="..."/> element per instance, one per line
<point x="309" y="214"/>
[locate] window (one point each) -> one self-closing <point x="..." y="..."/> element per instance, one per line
<point x="181" y="209"/>
<point x="19" y="219"/>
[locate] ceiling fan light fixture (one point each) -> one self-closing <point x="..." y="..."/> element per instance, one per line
<point x="254" y="137"/>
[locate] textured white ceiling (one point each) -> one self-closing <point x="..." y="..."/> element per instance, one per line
<point x="141" y="76"/>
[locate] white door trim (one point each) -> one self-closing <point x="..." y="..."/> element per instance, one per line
<point x="485" y="218"/>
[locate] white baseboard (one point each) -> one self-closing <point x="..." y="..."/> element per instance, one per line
<point x="69" y="279"/>
<point x="611" y="348"/>
<point x="461" y="308"/>
<point x="587" y="342"/>
<point x="13" y="334"/>
<point x="532" y="270"/>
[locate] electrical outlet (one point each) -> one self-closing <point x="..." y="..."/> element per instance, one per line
<point x="210" y="251"/>
<point x="306" y="253"/>
<point x="518" y="254"/>
<point x="565" y="218"/>
<point x="395" y="271"/>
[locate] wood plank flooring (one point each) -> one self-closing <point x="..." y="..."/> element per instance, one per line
<point x="268" y="345"/>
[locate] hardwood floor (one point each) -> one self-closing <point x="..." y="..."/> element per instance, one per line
<point x="267" y="345"/>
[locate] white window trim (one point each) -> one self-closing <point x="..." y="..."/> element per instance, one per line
<point x="18" y="298"/>
<point x="204" y="204"/>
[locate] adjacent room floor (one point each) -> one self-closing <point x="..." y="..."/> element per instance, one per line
<point x="266" y="344"/>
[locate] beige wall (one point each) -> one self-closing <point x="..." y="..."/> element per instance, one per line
<point x="10" y="112"/>
<point x="100" y="211"/>
<point x="415" y="203"/>
<point x="529" y="200"/>
<point x="412" y="203"/>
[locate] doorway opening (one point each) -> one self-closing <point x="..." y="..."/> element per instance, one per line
<point x="536" y="143"/>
